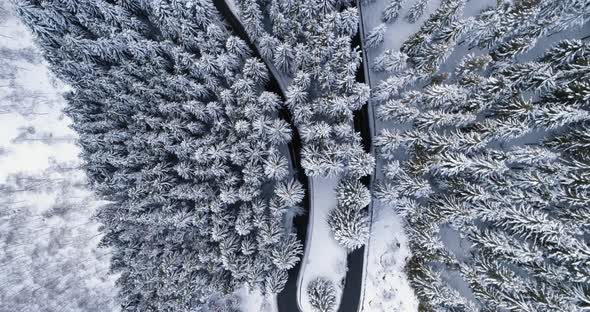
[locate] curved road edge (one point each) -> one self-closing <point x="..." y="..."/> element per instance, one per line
<point x="370" y="119"/>
<point x="286" y="298"/>
<point x="305" y="257"/>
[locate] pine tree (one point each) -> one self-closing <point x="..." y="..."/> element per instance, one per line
<point x="283" y="56"/>
<point x="350" y="226"/>
<point x="376" y="36"/>
<point x="511" y="48"/>
<point x="397" y="110"/>
<point x="286" y="254"/>
<point x="416" y="11"/>
<point x="429" y="58"/>
<point x="275" y="282"/>
<point x="391" y="11"/>
<point x="390" y="62"/>
<point x="390" y="87"/>
<point x="352" y="193"/>
<point x="290" y="192"/>
<point x="322" y="295"/>
<point x="566" y="52"/>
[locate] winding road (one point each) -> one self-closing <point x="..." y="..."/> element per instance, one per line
<point x="353" y="286"/>
<point x="363" y="123"/>
<point x="287" y="299"/>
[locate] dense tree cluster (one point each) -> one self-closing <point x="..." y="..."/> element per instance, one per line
<point x="495" y="158"/>
<point x="310" y="43"/>
<point x="349" y="221"/>
<point x="179" y="135"/>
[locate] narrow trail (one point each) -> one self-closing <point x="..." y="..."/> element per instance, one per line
<point x="287" y="299"/>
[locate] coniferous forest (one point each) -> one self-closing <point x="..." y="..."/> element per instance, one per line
<point x="294" y="155"/>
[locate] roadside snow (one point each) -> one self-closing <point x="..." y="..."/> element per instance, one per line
<point x="323" y="256"/>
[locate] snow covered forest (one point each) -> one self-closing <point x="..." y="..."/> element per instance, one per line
<point x="294" y="155"/>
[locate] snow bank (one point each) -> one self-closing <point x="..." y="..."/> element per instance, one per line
<point x="323" y="256"/>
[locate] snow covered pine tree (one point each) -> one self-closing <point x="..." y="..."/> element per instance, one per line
<point x="321" y="295"/>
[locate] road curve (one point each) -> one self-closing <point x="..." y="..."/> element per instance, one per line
<point x="353" y="293"/>
<point x="287" y="299"/>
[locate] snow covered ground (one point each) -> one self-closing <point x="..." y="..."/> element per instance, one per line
<point x="386" y="287"/>
<point x="323" y="256"/>
<point x="254" y="301"/>
<point x="34" y="87"/>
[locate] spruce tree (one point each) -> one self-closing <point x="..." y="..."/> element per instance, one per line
<point x="322" y="295"/>
<point x="416" y="11"/>
<point x="391" y="11"/>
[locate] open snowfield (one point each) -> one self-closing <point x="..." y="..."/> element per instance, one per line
<point x="34" y="85"/>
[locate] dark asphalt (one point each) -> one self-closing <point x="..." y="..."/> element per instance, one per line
<point x="352" y="292"/>
<point x="287" y="299"/>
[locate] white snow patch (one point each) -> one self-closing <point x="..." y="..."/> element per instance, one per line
<point x="255" y="301"/>
<point x="386" y="287"/>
